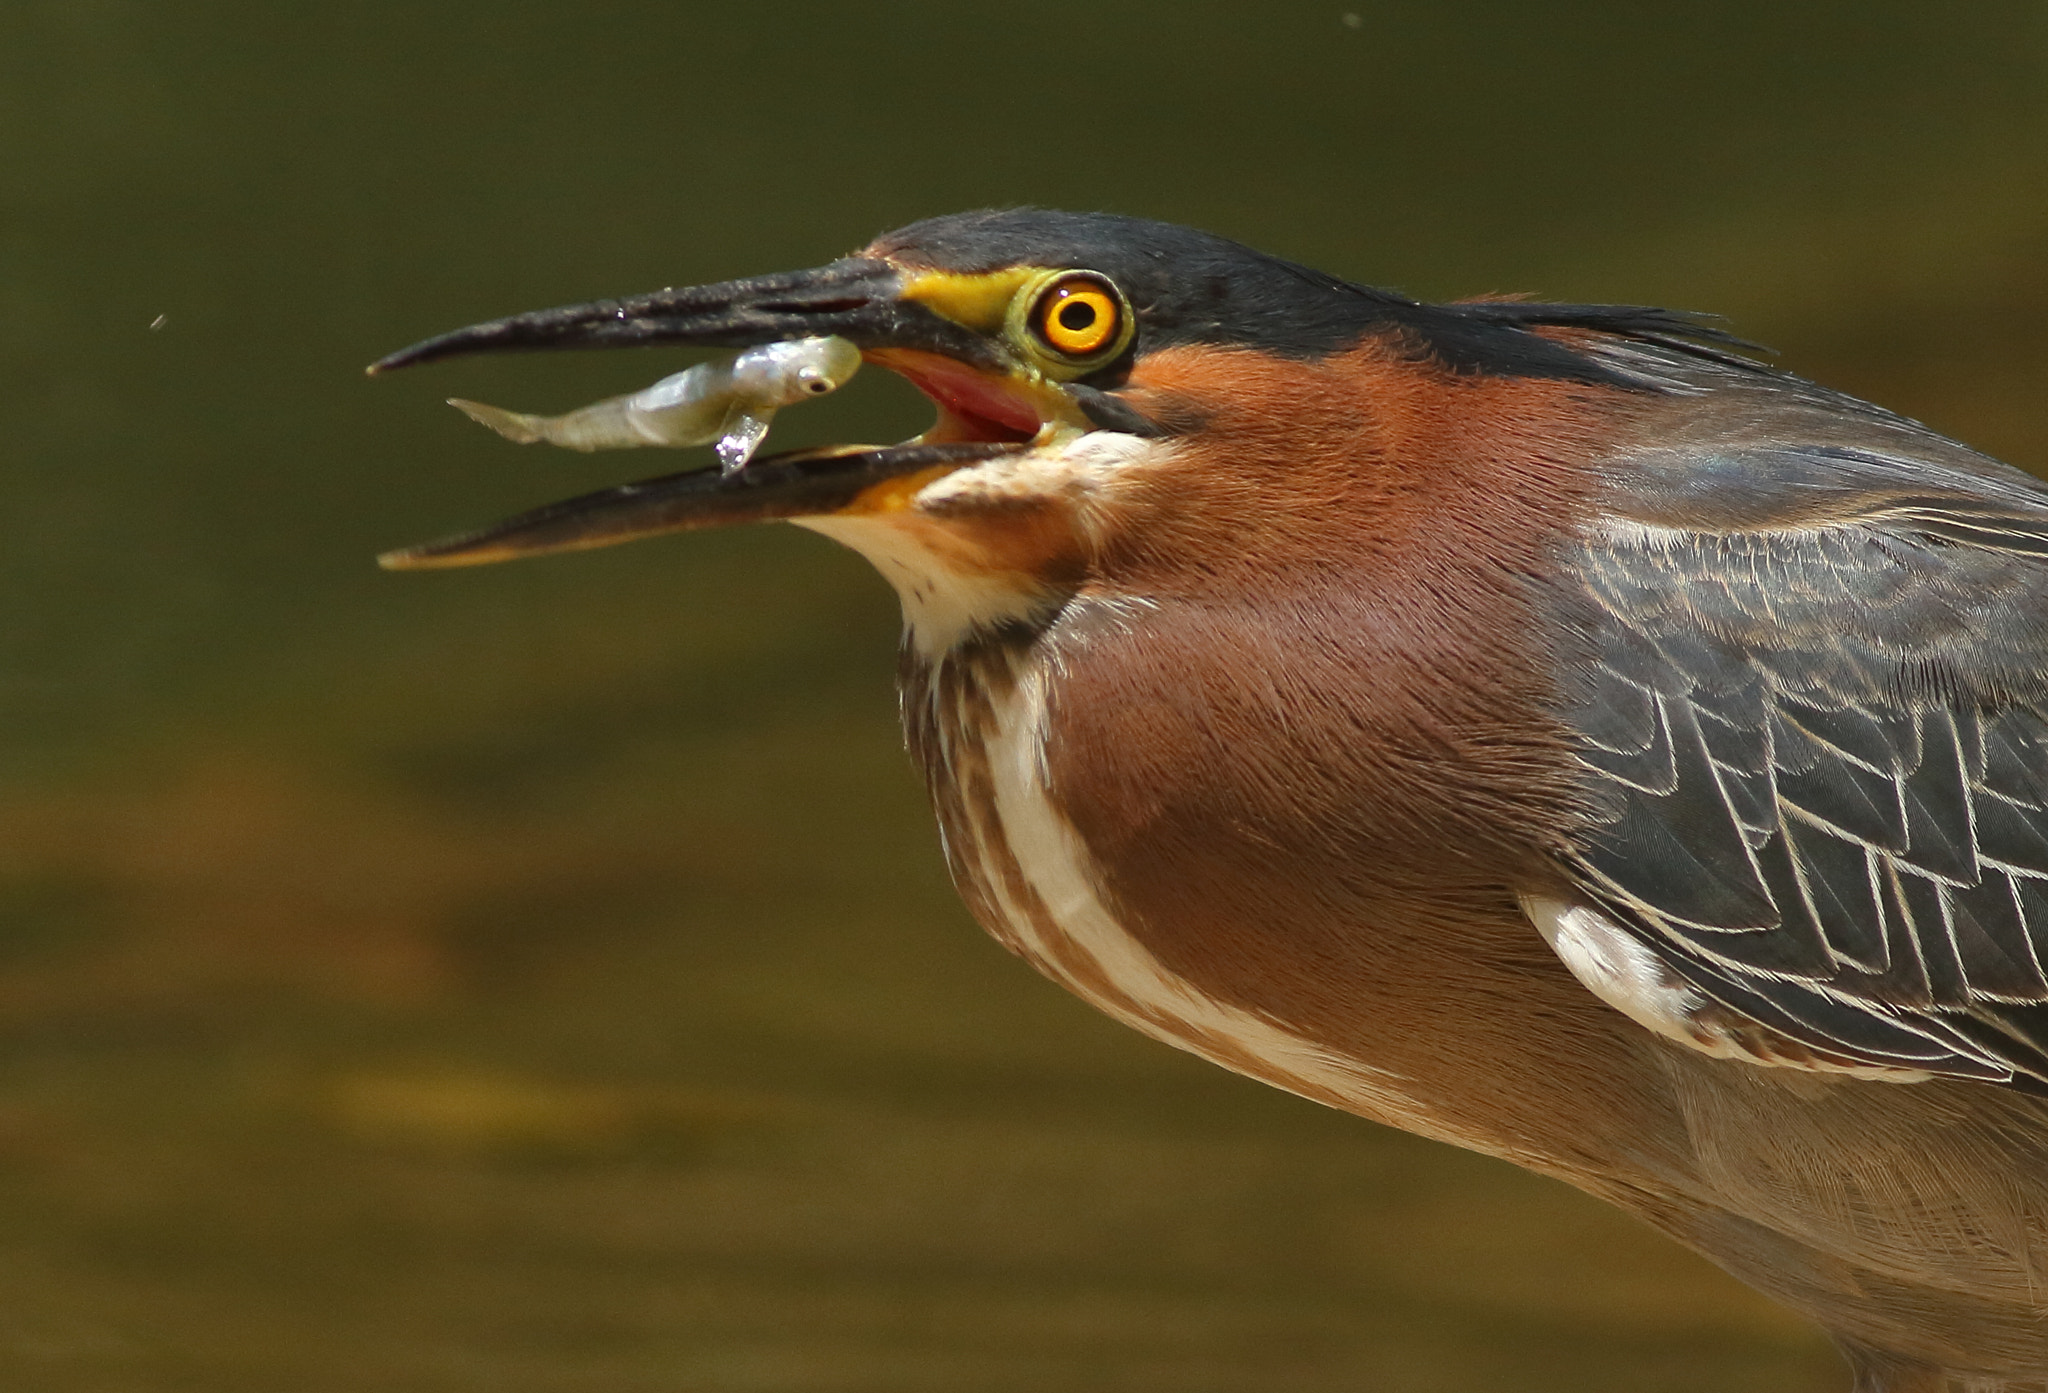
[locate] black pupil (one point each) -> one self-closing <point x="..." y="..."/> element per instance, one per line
<point x="1076" y="315"/>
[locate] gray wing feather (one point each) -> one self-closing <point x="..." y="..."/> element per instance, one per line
<point x="1817" y="747"/>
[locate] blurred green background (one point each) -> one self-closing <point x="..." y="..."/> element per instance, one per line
<point x="543" y="977"/>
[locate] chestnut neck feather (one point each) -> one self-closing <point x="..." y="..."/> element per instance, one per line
<point x="1342" y="572"/>
<point x="1313" y="766"/>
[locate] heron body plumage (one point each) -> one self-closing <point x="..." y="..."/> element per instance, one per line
<point x="1530" y="726"/>
<point x="1222" y="904"/>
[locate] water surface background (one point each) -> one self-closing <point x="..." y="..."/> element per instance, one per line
<point x="544" y="977"/>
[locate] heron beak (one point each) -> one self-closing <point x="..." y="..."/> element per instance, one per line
<point x="988" y="405"/>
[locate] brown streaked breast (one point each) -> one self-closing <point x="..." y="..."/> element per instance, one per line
<point x="1320" y="763"/>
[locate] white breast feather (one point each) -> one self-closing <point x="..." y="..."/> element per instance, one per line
<point x="1622" y="971"/>
<point x="944" y="603"/>
<point x="1058" y="867"/>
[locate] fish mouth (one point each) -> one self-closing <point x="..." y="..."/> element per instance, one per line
<point x="989" y="404"/>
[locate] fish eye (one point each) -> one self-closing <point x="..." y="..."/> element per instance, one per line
<point x="1078" y="315"/>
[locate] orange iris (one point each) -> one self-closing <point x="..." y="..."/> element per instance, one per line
<point x="1078" y="316"/>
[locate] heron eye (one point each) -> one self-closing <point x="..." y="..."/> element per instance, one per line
<point x="1078" y="315"/>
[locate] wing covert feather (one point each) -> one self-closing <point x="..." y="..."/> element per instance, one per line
<point x="1818" y="752"/>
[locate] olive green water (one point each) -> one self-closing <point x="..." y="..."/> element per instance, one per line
<point x="543" y="978"/>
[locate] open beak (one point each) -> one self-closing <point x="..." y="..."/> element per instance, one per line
<point x="988" y="405"/>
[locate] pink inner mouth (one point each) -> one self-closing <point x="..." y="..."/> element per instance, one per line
<point x="972" y="405"/>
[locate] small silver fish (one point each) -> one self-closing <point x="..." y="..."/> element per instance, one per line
<point x="727" y="405"/>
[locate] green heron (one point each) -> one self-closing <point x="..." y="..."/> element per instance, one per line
<point x="1540" y="727"/>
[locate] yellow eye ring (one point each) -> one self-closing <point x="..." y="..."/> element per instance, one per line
<point x="1078" y="316"/>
